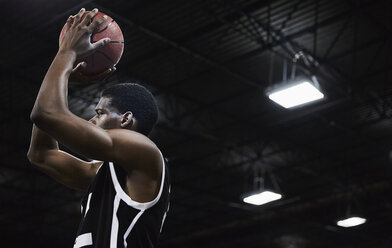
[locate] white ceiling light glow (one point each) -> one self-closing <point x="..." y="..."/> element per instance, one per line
<point x="295" y="95"/>
<point x="262" y="198"/>
<point x="350" y="222"/>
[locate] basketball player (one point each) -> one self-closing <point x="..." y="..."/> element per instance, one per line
<point x="127" y="182"/>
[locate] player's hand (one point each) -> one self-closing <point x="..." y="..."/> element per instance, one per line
<point x="78" y="77"/>
<point x="77" y="35"/>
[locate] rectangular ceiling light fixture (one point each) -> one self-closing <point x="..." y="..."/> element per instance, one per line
<point x="350" y="222"/>
<point x="295" y="95"/>
<point x="262" y="198"/>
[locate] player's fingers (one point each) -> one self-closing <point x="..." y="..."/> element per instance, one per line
<point x="98" y="23"/>
<point x="100" y="43"/>
<point x="79" y="67"/>
<point x="68" y="24"/>
<point x="78" y="16"/>
<point x="70" y="21"/>
<point x="106" y="73"/>
<point x="87" y="20"/>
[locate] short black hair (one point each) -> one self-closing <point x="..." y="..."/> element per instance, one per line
<point x="137" y="99"/>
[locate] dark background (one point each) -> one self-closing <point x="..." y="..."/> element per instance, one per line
<point x="209" y="64"/>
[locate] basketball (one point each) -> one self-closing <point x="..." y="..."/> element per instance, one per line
<point x="107" y="56"/>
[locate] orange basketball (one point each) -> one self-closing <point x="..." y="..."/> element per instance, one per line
<point x="108" y="55"/>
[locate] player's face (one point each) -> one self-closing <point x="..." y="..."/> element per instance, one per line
<point x="106" y="116"/>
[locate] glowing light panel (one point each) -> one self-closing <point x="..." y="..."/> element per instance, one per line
<point x="295" y="95"/>
<point x="353" y="221"/>
<point x="262" y="198"/>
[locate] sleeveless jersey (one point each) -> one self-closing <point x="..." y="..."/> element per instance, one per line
<point x="110" y="218"/>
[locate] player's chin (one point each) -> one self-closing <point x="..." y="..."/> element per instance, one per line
<point x="102" y="126"/>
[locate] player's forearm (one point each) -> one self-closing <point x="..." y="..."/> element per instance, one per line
<point x="52" y="97"/>
<point x="40" y="142"/>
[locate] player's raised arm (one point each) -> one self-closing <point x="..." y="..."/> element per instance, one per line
<point x="51" y="113"/>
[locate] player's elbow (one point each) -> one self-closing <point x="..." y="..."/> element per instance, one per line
<point x="33" y="160"/>
<point x="32" y="157"/>
<point x="37" y="116"/>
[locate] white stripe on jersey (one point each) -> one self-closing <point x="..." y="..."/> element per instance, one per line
<point x="131" y="226"/>
<point x="127" y="199"/>
<point x="88" y="203"/>
<point x="114" y="232"/>
<point x="83" y="240"/>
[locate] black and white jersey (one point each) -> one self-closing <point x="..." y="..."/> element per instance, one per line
<point x="112" y="219"/>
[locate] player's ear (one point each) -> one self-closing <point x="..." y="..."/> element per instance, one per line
<point x="127" y="120"/>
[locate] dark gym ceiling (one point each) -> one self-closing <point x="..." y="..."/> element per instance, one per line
<point x="209" y="64"/>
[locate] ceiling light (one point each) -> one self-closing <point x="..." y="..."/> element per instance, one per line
<point x="350" y="222"/>
<point x="262" y="198"/>
<point x="297" y="94"/>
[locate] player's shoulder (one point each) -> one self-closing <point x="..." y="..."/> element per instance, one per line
<point x="135" y="144"/>
<point x="129" y="137"/>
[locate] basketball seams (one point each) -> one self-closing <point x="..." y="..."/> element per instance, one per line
<point x="107" y="57"/>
